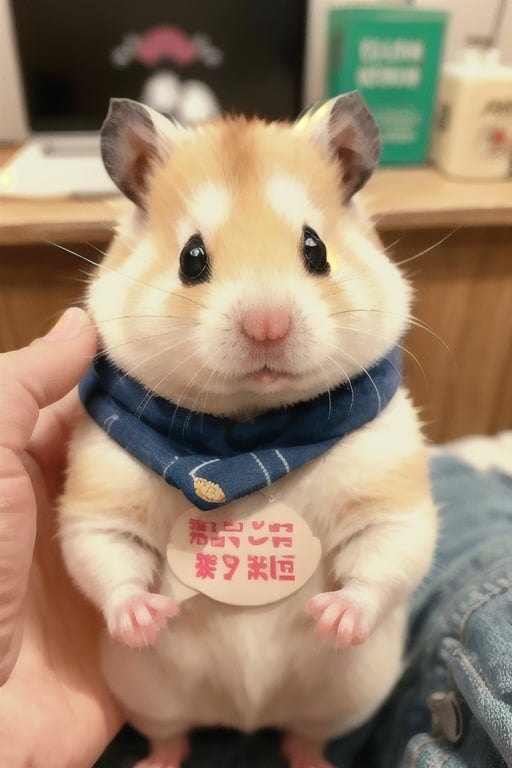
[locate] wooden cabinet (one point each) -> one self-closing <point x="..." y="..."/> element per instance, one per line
<point x="461" y="372"/>
<point x="37" y="282"/>
<point x="453" y="240"/>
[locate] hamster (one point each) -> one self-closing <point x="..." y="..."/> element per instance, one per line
<point x="246" y="282"/>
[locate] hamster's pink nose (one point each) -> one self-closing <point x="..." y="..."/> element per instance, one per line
<point x="266" y="323"/>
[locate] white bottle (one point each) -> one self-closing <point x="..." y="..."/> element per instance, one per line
<point x="472" y="136"/>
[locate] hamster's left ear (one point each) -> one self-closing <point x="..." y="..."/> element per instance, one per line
<point x="345" y="131"/>
<point x="135" y="139"/>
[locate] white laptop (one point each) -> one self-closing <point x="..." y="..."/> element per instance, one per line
<point x="57" y="166"/>
<point x="192" y="60"/>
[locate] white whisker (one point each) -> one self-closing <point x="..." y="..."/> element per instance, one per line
<point x="203" y="392"/>
<point x="112" y="347"/>
<point x="120" y="318"/>
<point x="363" y="370"/>
<point x="329" y="410"/>
<point x="365" y="271"/>
<point x="409" y="319"/>
<point x="154" y="354"/>
<point x="430" y="248"/>
<point x="145" y="401"/>
<point x="136" y="280"/>
<point x="345" y="376"/>
<point x="396" y="344"/>
<point x="182" y="396"/>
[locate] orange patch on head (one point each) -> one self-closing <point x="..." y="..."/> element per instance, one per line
<point x="244" y="229"/>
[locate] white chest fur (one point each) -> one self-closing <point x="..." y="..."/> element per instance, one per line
<point x="251" y="667"/>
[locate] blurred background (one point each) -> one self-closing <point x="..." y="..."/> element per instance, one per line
<point x="61" y="61"/>
<point x="437" y="74"/>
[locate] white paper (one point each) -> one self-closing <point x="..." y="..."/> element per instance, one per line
<point x="33" y="173"/>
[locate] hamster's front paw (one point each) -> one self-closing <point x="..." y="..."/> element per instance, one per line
<point x="166" y="753"/>
<point x="137" y="617"/>
<point x="344" y="616"/>
<point x="303" y="753"/>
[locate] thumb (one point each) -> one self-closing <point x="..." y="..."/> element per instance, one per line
<point x="30" y="379"/>
<point x="40" y="374"/>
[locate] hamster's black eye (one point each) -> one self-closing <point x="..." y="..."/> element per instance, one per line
<point x="314" y="252"/>
<point x="194" y="262"/>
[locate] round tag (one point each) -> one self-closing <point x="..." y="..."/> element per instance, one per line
<point x="249" y="553"/>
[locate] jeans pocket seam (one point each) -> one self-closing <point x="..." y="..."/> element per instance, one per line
<point x="473" y="703"/>
<point x="500" y="588"/>
<point x="427" y="741"/>
<point x="478" y="678"/>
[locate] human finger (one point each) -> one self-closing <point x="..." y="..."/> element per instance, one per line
<point x="30" y="379"/>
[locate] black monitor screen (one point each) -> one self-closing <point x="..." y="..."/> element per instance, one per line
<point x="193" y="59"/>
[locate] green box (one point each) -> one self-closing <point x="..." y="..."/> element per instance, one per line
<point x="392" y="56"/>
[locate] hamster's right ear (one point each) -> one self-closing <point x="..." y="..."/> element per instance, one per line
<point x="135" y="138"/>
<point x="345" y="131"/>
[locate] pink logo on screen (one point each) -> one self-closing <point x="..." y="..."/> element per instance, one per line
<point x="162" y="49"/>
<point x="166" y="43"/>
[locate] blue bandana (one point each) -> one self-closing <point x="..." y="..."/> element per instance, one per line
<point x="216" y="460"/>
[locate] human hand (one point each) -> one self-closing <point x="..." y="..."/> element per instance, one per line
<point x="54" y="707"/>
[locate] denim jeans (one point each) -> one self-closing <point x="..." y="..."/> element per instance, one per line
<point x="452" y="707"/>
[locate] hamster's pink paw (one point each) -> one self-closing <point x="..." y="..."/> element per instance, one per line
<point x="342" y="616"/>
<point x="302" y="753"/>
<point x="167" y="753"/>
<point x="138" y="618"/>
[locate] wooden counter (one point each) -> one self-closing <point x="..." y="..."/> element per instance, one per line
<point x="414" y="198"/>
<point x="435" y="202"/>
<point x="453" y="239"/>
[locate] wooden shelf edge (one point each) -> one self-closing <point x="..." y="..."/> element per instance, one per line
<point x="395" y="198"/>
<point x="464" y="217"/>
<point x="47" y="233"/>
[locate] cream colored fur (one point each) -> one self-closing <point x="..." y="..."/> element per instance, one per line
<point x="367" y="499"/>
<point x="264" y="666"/>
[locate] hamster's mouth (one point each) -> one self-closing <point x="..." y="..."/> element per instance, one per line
<point x="267" y="375"/>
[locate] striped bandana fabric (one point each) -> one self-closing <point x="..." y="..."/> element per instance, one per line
<point x="214" y="460"/>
